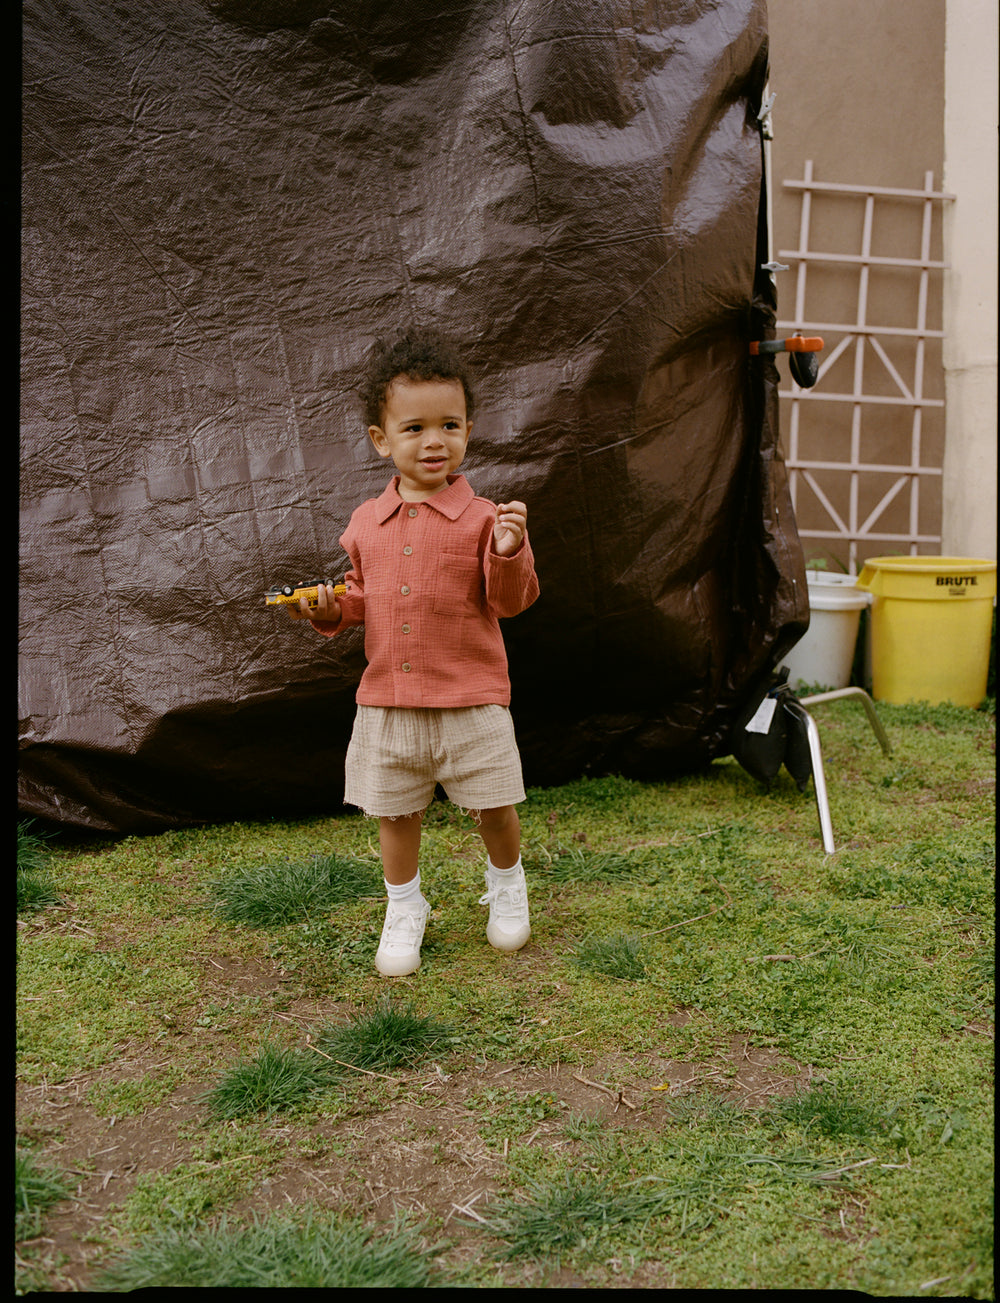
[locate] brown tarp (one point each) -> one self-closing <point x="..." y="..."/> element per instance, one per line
<point x="224" y="203"/>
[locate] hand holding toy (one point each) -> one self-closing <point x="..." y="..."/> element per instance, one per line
<point x="292" y="595"/>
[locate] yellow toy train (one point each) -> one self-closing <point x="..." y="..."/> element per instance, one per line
<point x="292" y="594"/>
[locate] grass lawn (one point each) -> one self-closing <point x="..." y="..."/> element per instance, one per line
<point x="725" y="1059"/>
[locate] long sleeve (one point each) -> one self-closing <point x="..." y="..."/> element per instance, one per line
<point x="511" y="582"/>
<point x="352" y="603"/>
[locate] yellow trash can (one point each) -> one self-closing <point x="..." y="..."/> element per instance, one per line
<point x="931" y="621"/>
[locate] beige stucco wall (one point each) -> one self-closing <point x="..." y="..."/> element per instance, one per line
<point x="970" y="302"/>
<point x="882" y="93"/>
<point x="860" y="88"/>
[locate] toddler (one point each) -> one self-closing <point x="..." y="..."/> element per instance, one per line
<point x="433" y="570"/>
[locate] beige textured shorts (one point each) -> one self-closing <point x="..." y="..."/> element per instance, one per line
<point x="397" y="755"/>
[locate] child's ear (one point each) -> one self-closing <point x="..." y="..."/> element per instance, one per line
<point x="377" y="436"/>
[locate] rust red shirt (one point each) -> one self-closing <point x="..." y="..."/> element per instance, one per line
<point x="430" y="591"/>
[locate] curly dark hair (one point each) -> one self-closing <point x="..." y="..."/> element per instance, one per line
<point x="417" y="354"/>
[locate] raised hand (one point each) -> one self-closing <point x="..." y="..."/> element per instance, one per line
<point x="511" y="522"/>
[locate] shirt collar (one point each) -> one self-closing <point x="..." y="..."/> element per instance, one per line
<point x="450" y="502"/>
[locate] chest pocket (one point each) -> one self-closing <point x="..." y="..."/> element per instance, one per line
<point x="457" y="585"/>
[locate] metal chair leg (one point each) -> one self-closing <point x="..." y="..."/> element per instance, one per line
<point x="818" y="774"/>
<point x="866" y="701"/>
<point x="815" y="755"/>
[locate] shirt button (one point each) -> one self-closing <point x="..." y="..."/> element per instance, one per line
<point x="407" y="551"/>
<point x="407" y="667"/>
<point x="412" y="511"/>
<point x="406" y="628"/>
<point x="405" y="590"/>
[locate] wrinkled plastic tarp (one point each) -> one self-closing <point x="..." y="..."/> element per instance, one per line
<point x="223" y="205"/>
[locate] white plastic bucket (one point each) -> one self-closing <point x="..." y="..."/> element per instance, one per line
<point x="825" y="653"/>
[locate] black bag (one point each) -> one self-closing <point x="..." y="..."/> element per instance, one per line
<point x="761" y="744"/>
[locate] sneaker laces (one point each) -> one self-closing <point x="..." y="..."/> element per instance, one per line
<point x="404" y="927"/>
<point x="515" y="893"/>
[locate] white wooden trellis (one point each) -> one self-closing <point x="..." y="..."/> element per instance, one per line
<point x="865" y="338"/>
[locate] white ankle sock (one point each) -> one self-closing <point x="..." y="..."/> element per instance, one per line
<point x="405" y="893"/>
<point x="505" y="875"/>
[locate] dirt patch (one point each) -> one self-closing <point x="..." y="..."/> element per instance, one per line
<point x="422" y="1152"/>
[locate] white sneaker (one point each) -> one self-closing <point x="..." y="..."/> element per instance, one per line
<point x="402" y="932"/>
<point x="509" y="927"/>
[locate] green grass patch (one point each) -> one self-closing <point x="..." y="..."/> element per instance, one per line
<point x="187" y="1194"/>
<point x="315" y="1250"/>
<point x="35" y="888"/>
<point x="93" y="998"/>
<point x="385" y="1038"/>
<point x="226" y="1162"/>
<point x="274" y="895"/>
<point x="280" y="1079"/>
<point x="113" y="1098"/>
<point x="578" y="865"/>
<point x="771" y="1199"/>
<point x="274" y="1080"/>
<point x="582" y="1214"/>
<point x="506" y="1114"/>
<point x="836" y="1112"/>
<point x="37" y="1187"/>
<point x="615" y="956"/>
<point x="576" y="1214"/>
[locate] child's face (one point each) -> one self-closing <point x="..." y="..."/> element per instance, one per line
<point x="425" y="431"/>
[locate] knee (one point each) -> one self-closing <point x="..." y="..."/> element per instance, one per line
<point x="498" y="820"/>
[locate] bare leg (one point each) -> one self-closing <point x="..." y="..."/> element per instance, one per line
<point x="500" y="830"/>
<point x="400" y="843"/>
<point x="406" y="909"/>
<point x="509" y="927"/>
